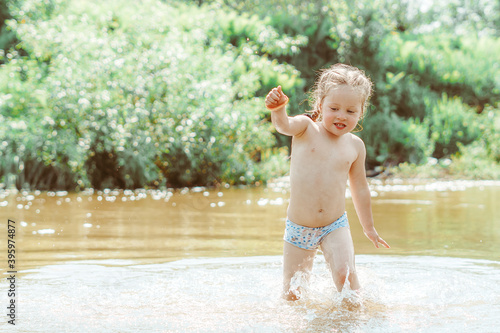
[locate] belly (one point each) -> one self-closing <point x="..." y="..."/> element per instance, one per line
<point x="316" y="203"/>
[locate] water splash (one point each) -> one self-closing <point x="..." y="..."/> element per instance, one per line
<point x="244" y="294"/>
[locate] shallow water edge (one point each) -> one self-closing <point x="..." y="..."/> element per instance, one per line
<point x="399" y="294"/>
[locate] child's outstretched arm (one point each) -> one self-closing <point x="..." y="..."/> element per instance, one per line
<point x="276" y="101"/>
<point x="361" y="195"/>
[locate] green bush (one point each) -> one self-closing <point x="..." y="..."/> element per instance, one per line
<point x="490" y="133"/>
<point x="455" y="65"/>
<point x="391" y="140"/>
<point x="132" y="96"/>
<point x="453" y="123"/>
<point x="470" y="162"/>
<point x="127" y="94"/>
<point x="474" y="162"/>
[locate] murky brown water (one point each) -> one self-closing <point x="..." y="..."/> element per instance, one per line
<point x="154" y="259"/>
<point x="459" y="219"/>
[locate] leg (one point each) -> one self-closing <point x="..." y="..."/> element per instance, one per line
<point x="338" y="250"/>
<point x="295" y="260"/>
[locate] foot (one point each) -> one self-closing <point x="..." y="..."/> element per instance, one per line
<point x="291" y="296"/>
<point x="351" y="302"/>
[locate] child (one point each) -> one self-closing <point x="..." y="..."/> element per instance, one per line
<point x="324" y="155"/>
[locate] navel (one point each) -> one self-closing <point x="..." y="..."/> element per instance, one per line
<point x="320" y="211"/>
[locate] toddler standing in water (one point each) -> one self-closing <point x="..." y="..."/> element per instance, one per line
<point x="324" y="154"/>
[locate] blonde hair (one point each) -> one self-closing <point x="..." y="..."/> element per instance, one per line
<point x="337" y="75"/>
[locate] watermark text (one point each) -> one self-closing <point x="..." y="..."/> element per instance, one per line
<point x="12" y="271"/>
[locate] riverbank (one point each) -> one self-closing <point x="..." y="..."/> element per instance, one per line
<point x="456" y="168"/>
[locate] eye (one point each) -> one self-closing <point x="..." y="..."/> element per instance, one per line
<point x="334" y="109"/>
<point x="350" y="111"/>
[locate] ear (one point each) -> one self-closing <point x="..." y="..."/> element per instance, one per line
<point x="320" y="106"/>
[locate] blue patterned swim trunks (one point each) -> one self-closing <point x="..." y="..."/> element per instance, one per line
<point x="311" y="238"/>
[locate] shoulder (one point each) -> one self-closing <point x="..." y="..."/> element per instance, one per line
<point x="358" y="145"/>
<point x="304" y="118"/>
<point x="357" y="170"/>
<point x="357" y="142"/>
<point x="303" y="122"/>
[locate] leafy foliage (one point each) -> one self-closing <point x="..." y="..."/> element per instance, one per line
<point x="114" y="94"/>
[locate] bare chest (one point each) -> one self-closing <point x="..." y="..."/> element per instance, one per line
<point x="321" y="154"/>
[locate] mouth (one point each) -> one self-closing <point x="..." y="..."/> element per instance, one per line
<point x="339" y="126"/>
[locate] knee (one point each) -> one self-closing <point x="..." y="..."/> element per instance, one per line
<point x="341" y="274"/>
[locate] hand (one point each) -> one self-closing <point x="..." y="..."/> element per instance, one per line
<point x="276" y="99"/>
<point x="375" y="238"/>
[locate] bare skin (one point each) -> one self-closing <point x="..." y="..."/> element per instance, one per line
<point x="324" y="155"/>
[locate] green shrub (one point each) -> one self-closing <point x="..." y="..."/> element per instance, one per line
<point x="132" y="96"/>
<point x="453" y="123"/>
<point x="127" y="94"/>
<point x="470" y="162"/>
<point x="391" y="140"/>
<point x="474" y="162"/>
<point x="455" y="65"/>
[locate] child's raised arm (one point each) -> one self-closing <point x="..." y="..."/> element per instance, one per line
<point x="276" y="101"/>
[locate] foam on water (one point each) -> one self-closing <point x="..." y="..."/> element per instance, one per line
<point x="418" y="294"/>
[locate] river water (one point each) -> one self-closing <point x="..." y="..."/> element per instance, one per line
<point x="209" y="260"/>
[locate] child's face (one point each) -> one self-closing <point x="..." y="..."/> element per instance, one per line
<point x="342" y="108"/>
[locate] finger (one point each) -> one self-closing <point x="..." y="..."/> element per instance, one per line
<point x="375" y="243"/>
<point x="272" y="102"/>
<point x="280" y="91"/>
<point x="383" y="242"/>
